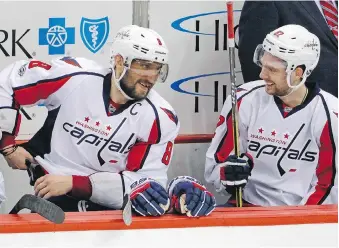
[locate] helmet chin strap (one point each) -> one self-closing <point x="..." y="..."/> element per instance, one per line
<point x="117" y="82"/>
<point x="292" y="87"/>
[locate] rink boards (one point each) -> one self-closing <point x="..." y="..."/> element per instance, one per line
<point x="303" y="226"/>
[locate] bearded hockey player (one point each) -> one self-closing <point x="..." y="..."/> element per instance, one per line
<point x="288" y="129"/>
<point x="108" y="132"/>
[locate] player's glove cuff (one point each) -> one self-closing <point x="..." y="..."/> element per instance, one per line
<point x="248" y="158"/>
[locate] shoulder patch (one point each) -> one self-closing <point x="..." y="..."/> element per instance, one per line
<point x="171" y="115"/>
<point x="71" y="61"/>
<point x="241" y="89"/>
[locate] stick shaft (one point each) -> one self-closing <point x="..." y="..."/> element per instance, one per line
<point x="235" y="131"/>
<point x="231" y="47"/>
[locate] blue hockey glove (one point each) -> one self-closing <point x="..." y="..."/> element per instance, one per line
<point x="235" y="172"/>
<point x="190" y="197"/>
<point x="149" y="198"/>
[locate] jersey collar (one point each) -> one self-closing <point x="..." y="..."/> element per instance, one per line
<point x="313" y="90"/>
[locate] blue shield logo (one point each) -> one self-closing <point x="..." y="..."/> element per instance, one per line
<point x="94" y="32"/>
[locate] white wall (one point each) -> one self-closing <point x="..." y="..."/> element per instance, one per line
<point x="185" y="62"/>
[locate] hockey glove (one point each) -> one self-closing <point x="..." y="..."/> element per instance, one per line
<point x="190" y="197"/>
<point x="149" y="198"/>
<point x="235" y="172"/>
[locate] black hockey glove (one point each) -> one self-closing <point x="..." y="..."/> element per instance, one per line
<point x="235" y="172"/>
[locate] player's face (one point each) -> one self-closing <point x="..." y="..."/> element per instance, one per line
<point x="273" y="72"/>
<point x="140" y="78"/>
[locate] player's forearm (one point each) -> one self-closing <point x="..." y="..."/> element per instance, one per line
<point x="9" y="127"/>
<point x="212" y="174"/>
<point x="82" y="187"/>
<point x="9" y="108"/>
<point x="10" y="122"/>
<point x="6" y="142"/>
<point x="104" y="188"/>
<point x="107" y="189"/>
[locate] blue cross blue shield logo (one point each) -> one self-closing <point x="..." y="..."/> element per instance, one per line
<point x="56" y="36"/>
<point x="94" y="32"/>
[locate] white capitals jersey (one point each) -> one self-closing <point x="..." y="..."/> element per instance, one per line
<point x="90" y="137"/>
<point x="294" y="150"/>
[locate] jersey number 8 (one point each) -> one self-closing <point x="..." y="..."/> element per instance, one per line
<point x="167" y="155"/>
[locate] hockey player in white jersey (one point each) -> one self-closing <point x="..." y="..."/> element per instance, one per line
<point x="109" y="133"/>
<point x="288" y="129"/>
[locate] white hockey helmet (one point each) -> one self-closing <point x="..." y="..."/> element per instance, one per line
<point x="137" y="43"/>
<point x="293" y="44"/>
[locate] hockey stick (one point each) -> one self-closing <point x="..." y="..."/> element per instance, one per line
<point x="231" y="51"/>
<point x="35" y="172"/>
<point x="126" y="204"/>
<point x="127" y="210"/>
<point x="40" y="206"/>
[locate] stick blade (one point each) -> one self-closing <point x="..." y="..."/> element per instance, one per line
<point x="46" y="209"/>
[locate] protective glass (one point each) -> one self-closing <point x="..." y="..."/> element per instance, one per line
<point x="152" y="69"/>
<point x="271" y="62"/>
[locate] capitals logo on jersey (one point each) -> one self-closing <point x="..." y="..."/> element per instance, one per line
<point x="277" y="149"/>
<point x="94" y="32"/>
<point x="96" y="136"/>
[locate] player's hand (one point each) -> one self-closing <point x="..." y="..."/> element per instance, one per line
<point x="149" y="198"/>
<point x="190" y="197"/>
<point x="53" y="185"/>
<point x="16" y="160"/>
<point x="235" y="172"/>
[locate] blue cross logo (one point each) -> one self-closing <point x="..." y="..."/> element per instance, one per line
<point x="56" y="36"/>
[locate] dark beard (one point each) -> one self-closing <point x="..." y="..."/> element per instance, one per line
<point x="131" y="90"/>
